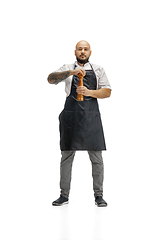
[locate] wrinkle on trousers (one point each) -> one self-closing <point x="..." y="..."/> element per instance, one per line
<point x="66" y="171"/>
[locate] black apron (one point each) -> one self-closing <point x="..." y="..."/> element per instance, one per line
<point x="80" y="121"/>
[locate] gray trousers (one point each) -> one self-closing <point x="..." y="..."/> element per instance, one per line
<point x="66" y="170"/>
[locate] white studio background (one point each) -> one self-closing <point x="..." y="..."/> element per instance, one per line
<point x="38" y="37"/>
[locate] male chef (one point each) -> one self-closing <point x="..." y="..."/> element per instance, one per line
<point x="80" y="121"/>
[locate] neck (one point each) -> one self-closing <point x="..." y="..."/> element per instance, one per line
<point x="81" y="64"/>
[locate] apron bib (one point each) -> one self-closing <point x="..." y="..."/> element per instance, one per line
<point x="80" y="122"/>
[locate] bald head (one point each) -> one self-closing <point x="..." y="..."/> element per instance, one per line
<point x="82" y="52"/>
<point x="83" y="43"/>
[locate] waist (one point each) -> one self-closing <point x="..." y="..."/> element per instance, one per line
<point x="88" y="105"/>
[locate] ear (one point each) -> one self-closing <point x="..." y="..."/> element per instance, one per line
<point x="75" y="52"/>
<point x="90" y="52"/>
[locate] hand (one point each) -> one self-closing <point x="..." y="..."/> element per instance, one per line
<point x="84" y="91"/>
<point x="79" y="71"/>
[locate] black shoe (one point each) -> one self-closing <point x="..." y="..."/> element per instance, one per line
<point x="99" y="201"/>
<point x="60" y="201"/>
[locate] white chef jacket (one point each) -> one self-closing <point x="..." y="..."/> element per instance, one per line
<point x="102" y="80"/>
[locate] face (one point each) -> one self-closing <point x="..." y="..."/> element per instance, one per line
<point x="82" y="52"/>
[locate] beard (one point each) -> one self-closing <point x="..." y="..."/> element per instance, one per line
<point x="82" y="61"/>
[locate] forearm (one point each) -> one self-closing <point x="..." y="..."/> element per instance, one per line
<point x="101" y="93"/>
<point x="57" y="77"/>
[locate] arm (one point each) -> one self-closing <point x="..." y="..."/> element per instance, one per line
<point x="101" y="93"/>
<point x="56" y="77"/>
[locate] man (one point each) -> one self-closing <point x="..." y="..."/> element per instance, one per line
<point x="80" y="122"/>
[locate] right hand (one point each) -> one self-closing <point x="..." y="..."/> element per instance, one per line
<point x="79" y="71"/>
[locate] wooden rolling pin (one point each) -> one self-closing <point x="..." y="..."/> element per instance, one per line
<point x="80" y="96"/>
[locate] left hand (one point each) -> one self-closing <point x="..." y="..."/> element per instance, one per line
<point x="83" y="90"/>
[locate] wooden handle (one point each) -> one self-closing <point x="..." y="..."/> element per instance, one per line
<point x="80" y="96"/>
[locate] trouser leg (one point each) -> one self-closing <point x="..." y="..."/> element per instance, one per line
<point x="97" y="172"/>
<point x="65" y="172"/>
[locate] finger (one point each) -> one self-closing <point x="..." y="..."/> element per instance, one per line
<point x="80" y="90"/>
<point x="82" y="71"/>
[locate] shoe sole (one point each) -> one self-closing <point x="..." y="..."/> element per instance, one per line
<point x="56" y="204"/>
<point x="101" y="205"/>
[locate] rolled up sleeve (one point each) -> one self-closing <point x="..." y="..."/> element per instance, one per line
<point x="68" y="81"/>
<point x="63" y="68"/>
<point x="102" y="79"/>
